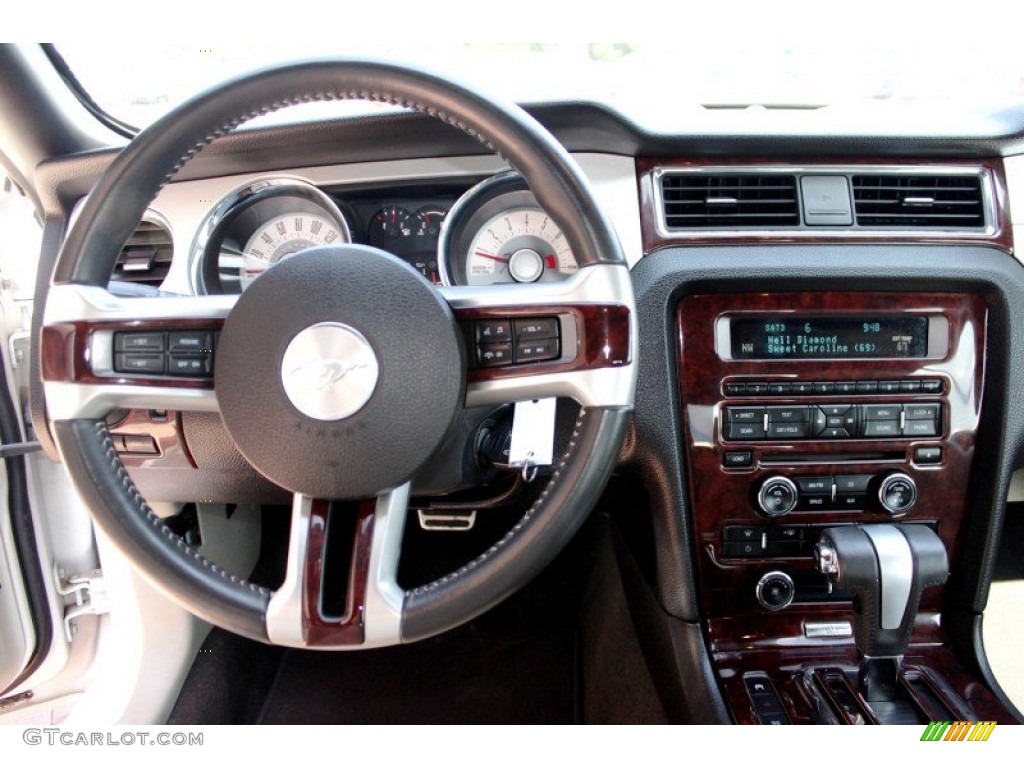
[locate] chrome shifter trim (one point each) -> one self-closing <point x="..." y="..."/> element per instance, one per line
<point x="895" y="572"/>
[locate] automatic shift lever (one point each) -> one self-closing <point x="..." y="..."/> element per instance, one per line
<point x="886" y="568"/>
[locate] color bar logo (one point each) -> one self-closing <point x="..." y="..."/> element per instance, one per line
<point x="961" y="730"/>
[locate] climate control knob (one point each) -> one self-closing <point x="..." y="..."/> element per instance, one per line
<point x="778" y="496"/>
<point x="897" y="493"/>
<point x="775" y="590"/>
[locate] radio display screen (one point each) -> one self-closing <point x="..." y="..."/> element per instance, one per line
<point x="815" y="338"/>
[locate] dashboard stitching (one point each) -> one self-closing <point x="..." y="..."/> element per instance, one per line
<point x="104" y="435"/>
<point x="518" y="526"/>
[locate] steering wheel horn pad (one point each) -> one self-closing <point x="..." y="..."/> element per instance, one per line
<point x="353" y="292"/>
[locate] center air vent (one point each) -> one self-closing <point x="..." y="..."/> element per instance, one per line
<point x="146" y="257"/>
<point x="948" y="202"/>
<point x="696" y="200"/>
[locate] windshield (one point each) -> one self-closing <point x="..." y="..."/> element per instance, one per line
<point x="783" y="70"/>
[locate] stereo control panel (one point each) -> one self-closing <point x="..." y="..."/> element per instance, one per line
<point x="804" y="411"/>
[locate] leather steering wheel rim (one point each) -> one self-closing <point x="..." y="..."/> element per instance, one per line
<point x="133" y="180"/>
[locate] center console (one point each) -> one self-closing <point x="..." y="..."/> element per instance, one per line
<point x="807" y="414"/>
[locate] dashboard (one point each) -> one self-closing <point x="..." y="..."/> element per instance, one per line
<point x="824" y="341"/>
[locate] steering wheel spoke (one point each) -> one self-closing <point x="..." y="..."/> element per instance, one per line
<point x="340" y="589"/>
<point x="101" y="351"/>
<point x="549" y="339"/>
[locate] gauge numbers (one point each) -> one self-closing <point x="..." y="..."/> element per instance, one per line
<point x="520" y="245"/>
<point x="282" y="236"/>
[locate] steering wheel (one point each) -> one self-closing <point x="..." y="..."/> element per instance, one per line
<point x="316" y="364"/>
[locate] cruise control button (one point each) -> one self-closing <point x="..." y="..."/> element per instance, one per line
<point x="190" y="341"/>
<point x="192" y="365"/>
<point x="532" y="350"/>
<point x="138" y="342"/>
<point x="916" y="411"/>
<point x="786" y="414"/>
<point x="882" y="429"/>
<point x="491" y="331"/>
<point x="135" y="362"/>
<point x="536" y="328"/>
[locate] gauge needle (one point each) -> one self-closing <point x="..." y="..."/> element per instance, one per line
<point x="492" y="257"/>
<point x="551" y="261"/>
<point x="255" y="270"/>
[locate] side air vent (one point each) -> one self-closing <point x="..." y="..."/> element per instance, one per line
<point x="697" y="200"/>
<point x="905" y="201"/>
<point x="146" y="258"/>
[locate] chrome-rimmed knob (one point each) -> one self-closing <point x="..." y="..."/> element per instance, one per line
<point x="775" y="590"/>
<point x="897" y="494"/>
<point x="778" y="496"/>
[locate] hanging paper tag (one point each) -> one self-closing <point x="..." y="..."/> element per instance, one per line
<point x="533" y="433"/>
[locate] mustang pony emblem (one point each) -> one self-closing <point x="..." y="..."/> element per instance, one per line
<point x="322" y="374"/>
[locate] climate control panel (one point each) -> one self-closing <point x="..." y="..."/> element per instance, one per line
<point x="894" y="493"/>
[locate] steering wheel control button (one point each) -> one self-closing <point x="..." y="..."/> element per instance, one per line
<point x="135" y="362"/>
<point x="494" y="355"/>
<point x="534" y="350"/>
<point x="194" y="342"/>
<point x="778" y="496"/>
<point x="898" y="494"/>
<point x="138" y="342"/>
<point x="493" y="331"/>
<point x="329" y="371"/>
<point x="536" y="328"/>
<point x="775" y="590"/>
<point x="196" y="366"/>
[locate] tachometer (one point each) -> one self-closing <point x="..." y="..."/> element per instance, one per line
<point x="282" y="236"/>
<point x="497" y="233"/>
<point x="519" y="245"/>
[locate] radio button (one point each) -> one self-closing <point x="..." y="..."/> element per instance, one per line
<point x="746" y="432"/>
<point x="780" y="388"/>
<point x="853" y="483"/>
<point x="734" y="388"/>
<point x="910" y="386"/>
<point x="738" y="459"/>
<point x="846" y="387"/>
<point x="835" y="421"/>
<point x="916" y="411"/>
<point x="741" y="415"/>
<point x="835" y="410"/>
<point x="815" y="485"/>
<point x="757" y="388"/>
<point x="922" y="428"/>
<point x="881" y="412"/>
<point x="888" y="387"/>
<point x="802" y="387"/>
<point x="835" y="433"/>
<point x="787" y="430"/>
<point x="867" y="387"/>
<point x="786" y="413"/>
<point x="818" y="421"/>
<point x="824" y="387"/>
<point x="931" y="386"/>
<point x="882" y="429"/>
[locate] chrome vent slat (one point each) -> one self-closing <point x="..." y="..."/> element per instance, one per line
<point x="692" y="201"/>
<point x="918" y="201"/>
<point x="146" y="257"/>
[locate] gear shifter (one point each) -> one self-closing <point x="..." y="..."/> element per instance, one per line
<point x="886" y="568"/>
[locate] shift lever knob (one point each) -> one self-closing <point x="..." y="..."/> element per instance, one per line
<point x="886" y="568"/>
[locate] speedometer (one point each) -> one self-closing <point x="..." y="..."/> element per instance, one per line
<point x="497" y="233"/>
<point x="519" y="245"/>
<point x="282" y="236"/>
